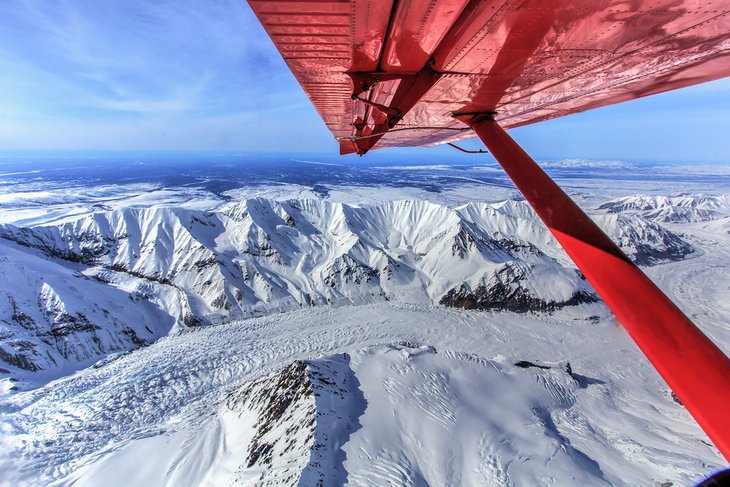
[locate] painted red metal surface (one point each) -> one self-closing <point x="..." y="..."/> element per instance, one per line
<point x="530" y="60"/>
<point x="696" y="370"/>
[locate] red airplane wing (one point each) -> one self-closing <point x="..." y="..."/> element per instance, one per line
<point x="416" y="62"/>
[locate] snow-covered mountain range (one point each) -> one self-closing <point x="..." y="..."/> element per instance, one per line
<point x="185" y="267"/>
<point x="112" y="281"/>
<point x="672" y="209"/>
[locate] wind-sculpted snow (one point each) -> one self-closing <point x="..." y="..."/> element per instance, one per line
<point x="672" y="209"/>
<point x="375" y="395"/>
<point x="184" y="267"/>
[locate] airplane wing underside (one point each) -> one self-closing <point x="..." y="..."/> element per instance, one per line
<point x="386" y="73"/>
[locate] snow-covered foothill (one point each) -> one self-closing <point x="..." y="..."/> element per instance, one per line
<point x="54" y="319"/>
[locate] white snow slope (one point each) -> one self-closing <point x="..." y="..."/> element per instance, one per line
<point x="426" y="397"/>
<point x="385" y="393"/>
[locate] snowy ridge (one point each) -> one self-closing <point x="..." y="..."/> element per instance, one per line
<point x="645" y="241"/>
<point x="55" y="319"/>
<point x="303" y="412"/>
<point x="184" y="267"/>
<point x="672" y="209"/>
<point x="281" y="429"/>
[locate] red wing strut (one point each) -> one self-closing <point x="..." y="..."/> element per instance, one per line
<point x="689" y="362"/>
<point x="387" y="73"/>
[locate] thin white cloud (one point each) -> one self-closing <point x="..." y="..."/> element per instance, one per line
<point x="141" y="74"/>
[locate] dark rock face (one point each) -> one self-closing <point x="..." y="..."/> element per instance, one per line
<point x="464" y="242"/>
<point x="676" y="399"/>
<point x="91" y="246"/>
<point x="281" y="400"/>
<point x="469" y="240"/>
<point x="500" y="297"/>
<point x="57" y="331"/>
<point x="21" y="359"/>
<point x="66" y="324"/>
<point x="668" y="247"/>
<point x="316" y="404"/>
<point x="503" y="292"/>
<point x="526" y="364"/>
<point x="348" y="270"/>
<point x="520" y="249"/>
<point x="273" y="401"/>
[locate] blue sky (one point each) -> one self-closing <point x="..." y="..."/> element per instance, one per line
<point x="203" y="75"/>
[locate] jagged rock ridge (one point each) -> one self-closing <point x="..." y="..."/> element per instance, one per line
<point x="303" y="413"/>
